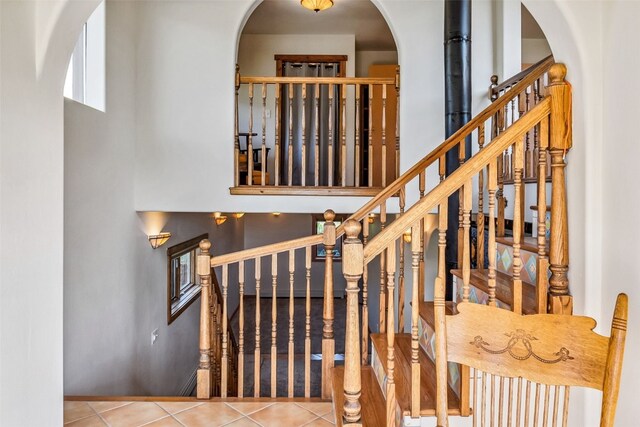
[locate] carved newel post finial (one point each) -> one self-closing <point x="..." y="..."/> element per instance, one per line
<point x="205" y="245"/>
<point x="494" y="80"/>
<point x="329" y="215"/>
<point x="557" y="73"/>
<point x="352" y="268"/>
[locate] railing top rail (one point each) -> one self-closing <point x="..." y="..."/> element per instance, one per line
<point x="537" y="69"/>
<point x="454" y="181"/>
<point x="320" y="80"/>
<point x="261" y="251"/>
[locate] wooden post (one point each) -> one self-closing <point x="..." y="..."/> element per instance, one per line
<point x="328" y="342"/>
<point x="439" y="318"/>
<point x="560" y="141"/>
<point x="204" y="367"/>
<point x="352" y="268"/>
<point x="236" y="139"/>
<point x="416" y="249"/>
<point x="391" y="333"/>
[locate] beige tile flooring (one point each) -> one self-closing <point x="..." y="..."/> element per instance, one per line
<point x="196" y="413"/>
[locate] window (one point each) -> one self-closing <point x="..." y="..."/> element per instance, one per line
<point x="183" y="284"/>
<point x="85" y="81"/>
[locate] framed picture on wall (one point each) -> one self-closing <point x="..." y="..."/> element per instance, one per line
<point x="319" y="252"/>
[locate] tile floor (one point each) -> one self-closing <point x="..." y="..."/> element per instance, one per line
<point x="194" y="413"/>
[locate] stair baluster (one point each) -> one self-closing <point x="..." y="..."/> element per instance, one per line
<point x="516" y="305"/>
<point x="292" y="270"/>
<point x="352" y="265"/>
<point x="278" y="155"/>
<point x="416" y="250"/>
<point x="391" y="388"/>
<point x="316" y="166"/>
<point x="328" y="342"/>
<point x="290" y="146"/>
<point x="401" y="290"/>
<point x="257" y="353"/>
<point x="307" y="325"/>
<point x="480" y="215"/>
<point x="224" y="363"/>
<point x="343" y="136"/>
<point x="332" y="136"/>
<point x="241" y="327"/>
<point x="250" y="164"/>
<point x="382" y="301"/>
<point x="236" y="130"/>
<point x="365" y="298"/>
<point x="492" y="188"/>
<point x="204" y="373"/>
<point x="274" y="324"/>
<point x="439" y="319"/>
<point x="263" y="151"/>
<point x="542" y="279"/>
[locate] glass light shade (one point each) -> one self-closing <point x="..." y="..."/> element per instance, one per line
<point x="238" y="215"/>
<point x="158" y="240"/>
<point x="316" y="5"/>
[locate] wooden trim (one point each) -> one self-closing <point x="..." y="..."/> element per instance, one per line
<point x="311" y="58"/>
<point x="172" y="252"/>
<point x="320" y="80"/>
<point x="282" y="190"/>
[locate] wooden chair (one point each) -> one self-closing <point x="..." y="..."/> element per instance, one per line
<point x="522" y="367"/>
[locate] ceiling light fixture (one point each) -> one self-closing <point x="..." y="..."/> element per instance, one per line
<point x="238" y="215"/>
<point x="157" y="240"/>
<point x="316" y="5"/>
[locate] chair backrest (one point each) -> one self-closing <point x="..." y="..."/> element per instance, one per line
<point x="523" y="366"/>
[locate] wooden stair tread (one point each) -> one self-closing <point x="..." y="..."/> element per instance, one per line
<point x="529" y="244"/>
<point x="402" y="376"/>
<point x="427" y="311"/>
<point x="480" y="279"/>
<point x="372" y="399"/>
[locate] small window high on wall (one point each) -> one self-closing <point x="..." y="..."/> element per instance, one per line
<point x="85" y="81"/>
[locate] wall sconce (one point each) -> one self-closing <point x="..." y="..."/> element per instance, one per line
<point x="238" y="215"/>
<point x="276" y="214"/>
<point x="158" y="240"/>
<point x="372" y="218"/>
<point x="219" y="218"/>
<point x="406" y="236"/>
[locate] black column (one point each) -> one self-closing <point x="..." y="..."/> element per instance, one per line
<point x="457" y="87"/>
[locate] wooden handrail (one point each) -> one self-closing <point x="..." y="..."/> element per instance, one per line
<point x="320" y="80"/>
<point x="394" y="188"/>
<point x="453" y="182"/>
<point x="543" y="64"/>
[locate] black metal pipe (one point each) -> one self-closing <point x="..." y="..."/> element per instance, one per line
<point x="457" y="87"/>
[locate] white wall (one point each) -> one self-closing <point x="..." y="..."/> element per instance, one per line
<point x="533" y="50"/>
<point x="115" y="284"/>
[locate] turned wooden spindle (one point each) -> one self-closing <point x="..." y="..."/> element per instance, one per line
<point x="343" y="136"/>
<point x="439" y="321"/>
<point x="466" y="239"/>
<point x="236" y="128"/>
<point x="492" y="188"/>
<point x="250" y="139"/>
<point x="383" y="275"/>
<point x="316" y="163"/>
<point x="274" y="324"/>
<point x="516" y="304"/>
<point x="542" y="279"/>
<point x="384" y="136"/>
<point x="357" y="153"/>
<point x="224" y="362"/>
<point x="331" y="141"/>
<point x="415" y="338"/>
<point x="328" y="342"/>
<point x="365" y="298"/>
<point x="401" y="291"/>
<point x="370" y="142"/>
<point x="397" y="85"/>
<point x="278" y="148"/>
<point x="352" y="268"/>
<point x="241" y="327"/>
<point x="307" y="324"/>
<point x="422" y="182"/>
<point x="391" y="333"/>
<point x="560" y="301"/>
<point x="263" y="152"/>
<point x="480" y="214"/>
<point x="204" y="374"/>
<point x="290" y="145"/>
<point x="256" y="354"/>
<point x="303" y="160"/>
<point x="292" y="270"/>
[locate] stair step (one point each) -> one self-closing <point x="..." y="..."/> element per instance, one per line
<point x="529" y="244"/>
<point x="480" y="280"/>
<point x="426" y="310"/>
<point x="402" y="376"/>
<point x="373" y="403"/>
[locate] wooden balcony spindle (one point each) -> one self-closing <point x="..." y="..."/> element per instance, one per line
<point x="278" y="148"/>
<point x="560" y="301"/>
<point x="256" y="355"/>
<point x="290" y="366"/>
<point x="331" y="157"/>
<point x="263" y="152"/>
<point x="250" y="139"/>
<point x="542" y="279"/>
<point x="391" y="333"/>
<point x="204" y="374"/>
<point x="401" y="290"/>
<point x="303" y="173"/>
<point x="492" y="187"/>
<point x="290" y="146"/>
<point x="422" y="182"/>
<point x="365" y="298"/>
<point x="274" y="324"/>
<point x="343" y="136"/>
<point x="480" y="214"/>
<point x="328" y="341"/>
<point x="352" y="267"/>
<point x="316" y="163"/>
<point x="236" y="139"/>
<point x="397" y="85"/>
<point x="383" y="276"/>
<point x="439" y="321"/>
<point x="370" y="149"/>
<point x="224" y="363"/>
<point x="384" y="135"/>
<point x="415" y="338"/>
<point x="241" y="332"/>
<point x="516" y="305"/>
<point x="307" y="325"/>
<point x="358" y="147"/>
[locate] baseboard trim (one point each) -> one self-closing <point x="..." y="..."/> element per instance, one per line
<point x="189" y="386"/>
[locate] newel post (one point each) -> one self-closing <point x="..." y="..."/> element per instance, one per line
<point x="560" y="141"/>
<point x="352" y="268"/>
<point x="328" y="341"/>
<point x="203" y="268"/>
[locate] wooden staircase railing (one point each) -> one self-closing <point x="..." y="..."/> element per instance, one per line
<point x="550" y="117"/>
<point x="347" y="115"/>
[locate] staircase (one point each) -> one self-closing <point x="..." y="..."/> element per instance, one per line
<point x="404" y="376"/>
